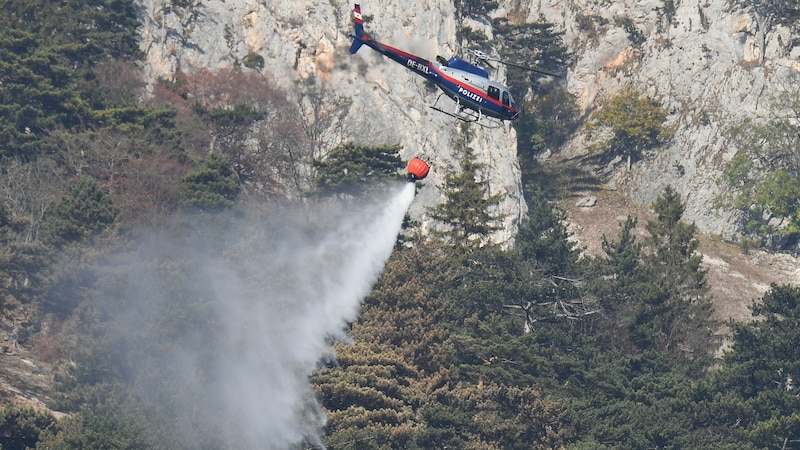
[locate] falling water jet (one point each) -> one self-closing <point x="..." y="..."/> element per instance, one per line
<point x="224" y="324"/>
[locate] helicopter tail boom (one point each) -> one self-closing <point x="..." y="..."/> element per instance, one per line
<point x="358" y="22"/>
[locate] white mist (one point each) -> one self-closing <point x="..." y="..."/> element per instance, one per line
<point x="316" y="282"/>
<point x="267" y="296"/>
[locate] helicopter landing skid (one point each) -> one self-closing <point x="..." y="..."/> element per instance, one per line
<point x="465" y="114"/>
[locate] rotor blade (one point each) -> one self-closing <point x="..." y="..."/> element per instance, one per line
<point x="486" y="58"/>
<point x="520" y="66"/>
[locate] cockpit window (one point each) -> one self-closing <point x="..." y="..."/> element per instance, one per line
<point x="506" y="98"/>
<point x="493" y="92"/>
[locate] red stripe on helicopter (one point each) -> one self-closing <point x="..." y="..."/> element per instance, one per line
<point x="473" y="90"/>
<point x="357" y="16"/>
<point x="401" y="52"/>
<point x="443" y="75"/>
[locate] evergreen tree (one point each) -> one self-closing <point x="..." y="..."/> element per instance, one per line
<point x="636" y="124"/>
<point x="84" y="210"/>
<point x="623" y="255"/>
<point x="543" y="239"/>
<point x="475" y="8"/>
<point x="21" y="428"/>
<point x="5" y="223"/>
<point x="212" y="186"/>
<point x="762" y="181"/>
<point x="467" y="205"/>
<point x="620" y="281"/>
<point x="537" y="41"/>
<point x="756" y="391"/>
<point x="48" y="55"/>
<point x="348" y="168"/>
<point x="675" y="311"/>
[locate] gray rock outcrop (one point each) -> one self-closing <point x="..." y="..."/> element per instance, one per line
<point x="700" y="60"/>
<point x="307" y="42"/>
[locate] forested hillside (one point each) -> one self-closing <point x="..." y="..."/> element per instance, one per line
<point x="124" y="217"/>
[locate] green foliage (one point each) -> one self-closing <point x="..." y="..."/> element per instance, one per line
<point x="409" y="381"/>
<point x="780" y="194"/>
<point x="5" y="223"/>
<point x="669" y="10"/>
<point x="108" y="423"/>
<point x="489" y="415"/>
<point x="636" y="124"/>
<point x="373" y="394"/>
<point x="349" y="168"/>
<point x="676" y="312"/>
<point x="212" y="186"/>
<point x="455" y="349"/>
<point x="544" y="238"/>
<point x="253" y="61"/>
<point x="474" y="37"/>
<point x="539" y="41"/>
<point x="756" y="386"/>
<point x="786" y="12"/>
<point x="623" y="255"/>
<point x="655" y="292"/>
<point x="47" y="54"/>
<point x="774" y="196"/>
<point x="467" y="204"/>
<point x="238" y="117"/>
<point x="549" y="120"/>
<point x="84" y="211"/>
<point x="636" y="37"/>
<point x="27" y="270"/>
<point x="22" y="428"/>
<point x="530" y="347"/>
<point x="737" y="179"/>
<point x="762" y="181"/>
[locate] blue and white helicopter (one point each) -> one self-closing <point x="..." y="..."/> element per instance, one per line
<point x="468" y="85"/>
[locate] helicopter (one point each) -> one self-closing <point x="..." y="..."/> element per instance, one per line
<point x="476" y="96"/>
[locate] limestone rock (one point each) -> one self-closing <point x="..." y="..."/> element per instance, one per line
<point x="700" y="64"/>
<point x="305" y="41"/>
<point x="699" y="61"/>
<point x="587" y="202"/>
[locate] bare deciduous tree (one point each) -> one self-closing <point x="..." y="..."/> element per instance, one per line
<point x="766" y="14"/>
<point x="320" y="116"/>
<point x="30" y="190"/>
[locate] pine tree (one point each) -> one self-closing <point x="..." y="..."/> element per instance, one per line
<point x="348" y="168"/>
<point x="544" y="239"/>
<point x="636" y="124"/>
<point x="84" y="210"/>
<point x="675" y="311"/>
<point x="467" y="204"/>
<point x="756" y="391"/>
<point x="212" y="186"/>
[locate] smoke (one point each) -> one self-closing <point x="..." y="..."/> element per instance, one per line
<point x="225" y="323"/>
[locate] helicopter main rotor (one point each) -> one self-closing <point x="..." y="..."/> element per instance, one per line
<point x="486" y="59"/>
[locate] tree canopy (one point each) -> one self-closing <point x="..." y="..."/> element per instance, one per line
<point x="467" y="208"/>
<point x="635" y="122"/>
<point x="762" y="181"/>
<point x="348" y="168"/>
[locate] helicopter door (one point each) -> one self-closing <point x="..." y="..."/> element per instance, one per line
<point x="506" y="100"/>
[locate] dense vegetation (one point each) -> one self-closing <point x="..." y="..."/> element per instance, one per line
<point x="763" y="180"/>
<point x="467" y="346"/>
<point x="461" y="344"/>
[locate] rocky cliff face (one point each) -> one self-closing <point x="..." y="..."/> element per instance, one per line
<point x="698" y="58"/>
<point x="305" y="41"/>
